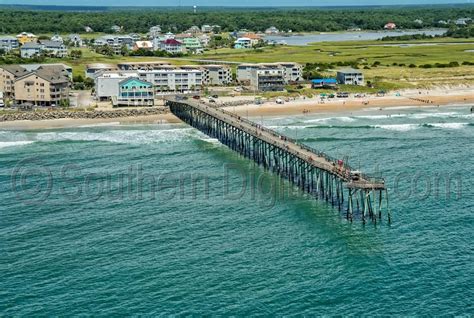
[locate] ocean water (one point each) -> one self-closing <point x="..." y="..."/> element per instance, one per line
<point x="83" y="231"/>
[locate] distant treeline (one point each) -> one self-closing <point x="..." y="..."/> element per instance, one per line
<point x="14" y="20"/>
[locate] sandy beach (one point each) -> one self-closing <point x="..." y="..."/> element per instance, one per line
<point x="418" y="98"/>
<point x="65" y="123"/>
<point x="439" y="97"/>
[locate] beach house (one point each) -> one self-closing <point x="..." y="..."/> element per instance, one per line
<point x="134" y="92"/>
<point x="53" y="48"/>
<point x="154" y="31"/>
<point x="272" y="30"/>
<point x="206" y="28"/>
<point x="143" y="45"/>
<point x="172" y="46"/>
<point x="57" y="38"/>
<point x="107" y="83"/>
<point x="75" y="40"/>
<point x="30" y="49"/>
<point x="26" y="37"/>
<point x="8" y="43"/>
<point x="116" y="42"/>
<point x="192" y="45"/>
<point x="243" y="43"/>
<point x="350" y="76"/>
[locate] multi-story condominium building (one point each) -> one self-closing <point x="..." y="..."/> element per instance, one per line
<point x="350" y="77"/>
<point x="152" y="65"/>
<point x="26" y="37"/>
<point x="267" y="79"/>
<point x="244" y="72"/>
<point x="173" y="80"/>
<point x="8" y="43"/>
<point x="8" y="76"/>
<point x="47" y="86"/>
<point x="216" y="75"/>
<point x="107" y="83"/>
<point x="292" y="72"/>
<point x="134" y="92"/>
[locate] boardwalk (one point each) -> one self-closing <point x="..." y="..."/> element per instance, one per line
<point x="311" y="170"/>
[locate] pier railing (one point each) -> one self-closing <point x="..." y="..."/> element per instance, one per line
<point x="318" y="153"/>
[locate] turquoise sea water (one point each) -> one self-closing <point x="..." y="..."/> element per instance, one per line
<point x="80" y="234"/>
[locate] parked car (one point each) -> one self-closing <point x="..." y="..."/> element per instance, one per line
<point x="279" y="101"/>
<point x="215" y="96"/>
<point x="211" y="100"/>
<point x="197" y="97"/>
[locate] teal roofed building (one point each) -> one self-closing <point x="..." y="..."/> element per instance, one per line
<point x="193" y="45"/>
<point x="134" y="92"/>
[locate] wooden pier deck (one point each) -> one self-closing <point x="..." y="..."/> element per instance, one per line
<point x="278" y="152"/>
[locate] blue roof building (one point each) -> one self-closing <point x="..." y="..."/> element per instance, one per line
<point x="324" y="83"/>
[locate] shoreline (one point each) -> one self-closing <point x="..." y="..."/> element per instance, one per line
<point x="299" y="106"/>
<point x="312" y="106"/>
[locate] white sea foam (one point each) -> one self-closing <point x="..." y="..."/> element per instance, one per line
<point x="436" y="115"/>
<point x="383" y="116"/>
<point x="117" y="123"/>
<point x="4" y="144"/>
<point x="121" y="136"/>
<point x="345" y="119"/>
<point x="316" y="120"/>
<point x="400" y="127"/>
<point x="449" y="125"/>
<point x="323" y="120"/>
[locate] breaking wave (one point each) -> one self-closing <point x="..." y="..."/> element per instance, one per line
<point x="5" y="144"/>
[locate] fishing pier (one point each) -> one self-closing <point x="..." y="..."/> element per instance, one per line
<point x="314" y="172"/>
